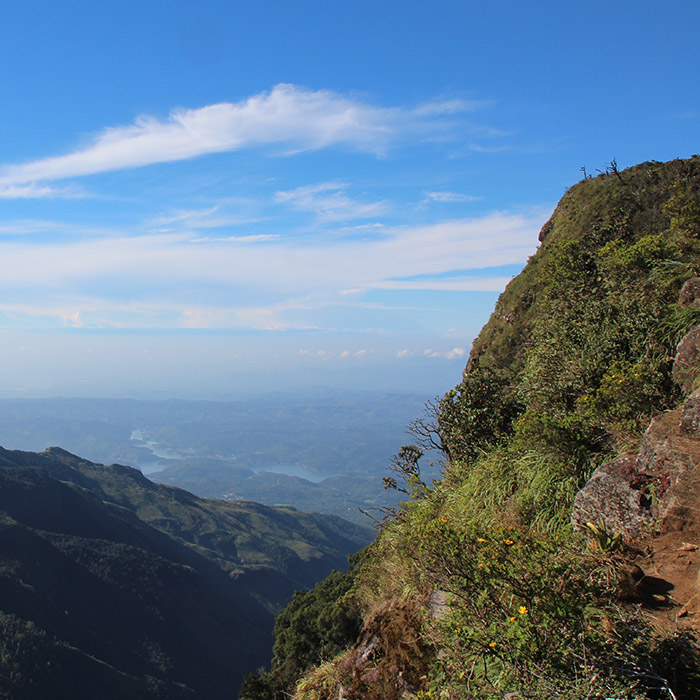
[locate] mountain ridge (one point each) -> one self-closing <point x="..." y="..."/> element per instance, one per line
<point x="478" y="586"/>
<point x="139" y="585"/>
<point x="231" y="450"/>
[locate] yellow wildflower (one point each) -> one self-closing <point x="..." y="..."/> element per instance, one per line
<point x="493" y="645"/>
<point x="522" y="610"/>
<point x="511" y="619"/>
<point x="508" y="542"/>
<point x="480" y="539"/>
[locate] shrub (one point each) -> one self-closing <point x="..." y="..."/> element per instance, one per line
<point x="536" y="616"/>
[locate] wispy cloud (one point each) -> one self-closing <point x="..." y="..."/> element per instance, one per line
<point x="314" y="353"/>
<point x="452" y="354"/>
<point x="288" y="116"/>
<point x="29" y="227"/>
<point x="454" y="106"/>
<point x="456" y="284"/>
<point x="345" y="354"/>
<point x="253" y="281"/>
<point x="450" y="197"/>
<point x="330" y="202"/>
<point x="253" y="237"/>
<point x="482" y="148"/>
<point x="31" y="190"/>
<point x="208" y="217"/>
<point x="400" y="253"/>
<point x="215" y="216"/>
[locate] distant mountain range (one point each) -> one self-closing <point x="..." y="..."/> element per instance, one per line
<point x="322" y="451"/>
<point x="115" y="587"/>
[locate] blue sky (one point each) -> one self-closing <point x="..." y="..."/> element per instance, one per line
<point x="216" y="198"/>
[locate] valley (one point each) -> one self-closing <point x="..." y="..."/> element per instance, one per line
<point x="320" y="451"/>
<point x="108" y="580"/>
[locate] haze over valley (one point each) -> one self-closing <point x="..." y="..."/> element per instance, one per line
<point x="318" y="451"/>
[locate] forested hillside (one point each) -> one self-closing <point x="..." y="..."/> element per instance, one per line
<point x="479" y="586"/>
<point x="112" y="586"/>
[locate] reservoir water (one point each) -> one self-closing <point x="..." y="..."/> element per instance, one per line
<point x="138" y="436"/>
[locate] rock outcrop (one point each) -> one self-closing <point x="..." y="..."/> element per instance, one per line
<point x="614" y="498"/>
<point x="652" y="497"/>
<point x="659" y="486"/>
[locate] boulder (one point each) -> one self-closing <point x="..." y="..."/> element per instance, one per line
<point x="686" y="365"/>
<point x="614" y="497"/>
<point x="690" y="416"/>
<point x="660" y="484"/>
<point x="690" y="293"/>
<point x="669" y="456"/>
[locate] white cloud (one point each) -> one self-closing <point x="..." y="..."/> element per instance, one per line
<point x="288" y="117"/>
<point x="457" y="284"/>
<point x="450" y="197"/>
<point x="281" y="264"/>
<point x="257" y="237"/>
<point x="190" y="218"/>
<point x="329" y="202"/>
<point x="73" y="319"/>
<point x="314" y="353"/>
<point x="215" y="216"/>
<point x="26" y="227"/>
<point x="480" y="148"/>
<point x="31" y="190"/>
<point x="448" y="355"/>
<point x="455" y="352"/>
<point x="251" y="282"/>
<point x="196" y="318"/>
<point x="450" y="107"/>
<point x="294" y="117"/>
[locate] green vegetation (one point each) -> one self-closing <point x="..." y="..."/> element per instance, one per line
<point x="534" y="615"/>
<point x="571" y="366"/>
<point x="316" y="625"/>
<point x="112" y="586"/>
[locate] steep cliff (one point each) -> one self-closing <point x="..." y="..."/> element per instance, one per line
<point x="481" y="586"/>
